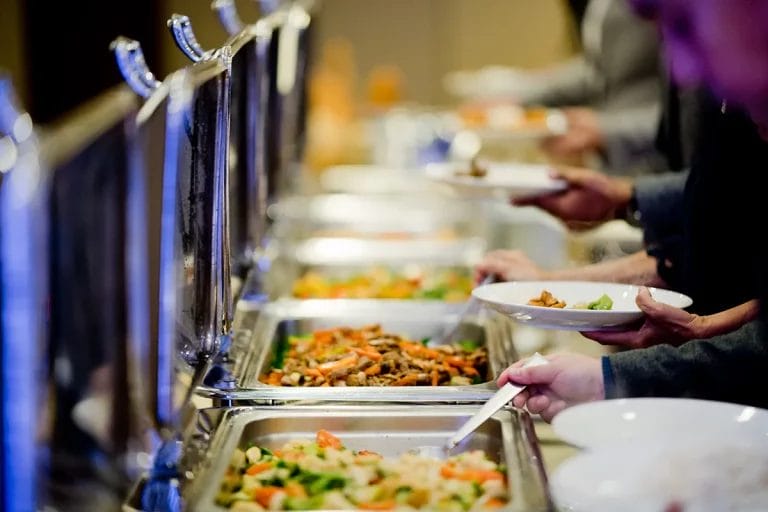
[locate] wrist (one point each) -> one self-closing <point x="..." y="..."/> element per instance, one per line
<point x="702" y="327"/>
<point x="624" y="200"/>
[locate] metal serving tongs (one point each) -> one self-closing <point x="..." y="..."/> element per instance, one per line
<point x="502" y="397"/>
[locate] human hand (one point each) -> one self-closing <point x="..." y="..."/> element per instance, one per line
<point x="662" y="324"/>
<point x="567" y="380"/>
<point x="591" y="196"/>
<point x="508" y="266"/>
<point x="583" y="134"/>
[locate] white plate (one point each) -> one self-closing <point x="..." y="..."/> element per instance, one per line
<point x="611" y="422"/>
<point x="511" y="299"/>
<point x="503" y="180"/>
<point x="704" y="473"/>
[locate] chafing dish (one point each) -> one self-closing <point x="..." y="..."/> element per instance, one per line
<point x="343" y="257"/>
<point x="508" y="437"/>
<point x="24" y="288"/>
<point x="262" y="330"/>
<point x="413" y="217"/>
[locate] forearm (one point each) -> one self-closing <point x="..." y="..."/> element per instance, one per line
<point x="730" y="319"/>
<point x="638" y="268"/>
<point x="729" y="367"/>
<point x="569" y="83"/>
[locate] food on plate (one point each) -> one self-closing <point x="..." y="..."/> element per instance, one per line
<point x="475" y="170"/>
<point x="325" y="475"/>
<point x="381" y="283"/>
<point x="368" y="356"/>
<point x="604" y="303"/>
<point x="546" y="300"/>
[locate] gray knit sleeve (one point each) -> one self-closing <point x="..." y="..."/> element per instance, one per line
<point x="731" y="367"/>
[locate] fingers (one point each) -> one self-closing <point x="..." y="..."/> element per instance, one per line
<point x="537" y="404"/>
<point x="532" y="200"/>
<point x="575" y="176"/>
<point x="543" y="375"/>
<point x="520" y="400"/>
<point x="645" y="301"/>
<point x="658" y="311"/>
<point x="624" y="338"/>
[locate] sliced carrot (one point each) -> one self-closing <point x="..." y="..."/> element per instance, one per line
<point x="264" y="495"/>
<point x="447" y="471"/>
<point x="273" y="379"/>
<point x="327" y="440"/>
<point x="368" y="352"/>
<point x="435" y="377"/>
<point x="255" y="469"/>
<point x="408" y="380"/>
<point x="455" y="361"/>
<point x="323" y="337"/>
<point x="495" y="503"/>
<point x="277" y="453"/>
<point x="429" y="353"/>
<point x="377" y="505"/>
<point x="295" y="489"/>
<point x="479" y="475"/>
<point x="470" y="370"/>
<point x="373" y="370"/>
<point x="410" y="347"/>
<point x="346" y="362"/>
<point x="313" y="372"/>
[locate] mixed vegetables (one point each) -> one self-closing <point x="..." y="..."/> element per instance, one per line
<point x="547" y="300"/>
<point x="324" y="475"/>
<point x="381" y="283"/>
<point x="344" y="356"/>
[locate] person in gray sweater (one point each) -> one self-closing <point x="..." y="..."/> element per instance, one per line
<point x="727" y="367"/>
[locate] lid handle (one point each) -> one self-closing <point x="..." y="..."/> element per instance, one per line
<point x="228" y="16"/>
<point x="133" y="67"/>
<point x="184" y="37"/>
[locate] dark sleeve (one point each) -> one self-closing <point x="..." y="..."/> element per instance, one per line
<point x="659" y="201"/>
<point x="728" y="368"/>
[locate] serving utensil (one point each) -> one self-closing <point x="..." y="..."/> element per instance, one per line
<point x="502" y="397"/>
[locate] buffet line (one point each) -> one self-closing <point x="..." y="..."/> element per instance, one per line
<point x="181" y="260"/>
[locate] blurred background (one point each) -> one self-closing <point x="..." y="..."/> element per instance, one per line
<point x="58" y="52"/>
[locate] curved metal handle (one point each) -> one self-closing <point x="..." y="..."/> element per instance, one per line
<point x="133" y="67"/>
<point x="228" y="16"/>
<point x="184" y="37"/>
<point x="269" y="6"/>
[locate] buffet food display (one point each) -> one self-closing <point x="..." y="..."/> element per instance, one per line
<point x="371" y="357"/>
<point x="383" y="283"/>
<point x="323" y="474"/>
<point x="363" y="457"/>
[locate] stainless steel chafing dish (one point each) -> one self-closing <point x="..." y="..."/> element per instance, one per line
<point x="508" y="437"/>
<point x="344" y="257"/>
<point x="260" y="331"/>
<point x="416" y="217"/>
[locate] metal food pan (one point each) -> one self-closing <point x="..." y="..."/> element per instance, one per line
<point x="253" y="354"/>
<point x="416" y="216"/>
<point x="285" y="272"/>
<point x="507" y="437"/>
<point x="345" y="256"/>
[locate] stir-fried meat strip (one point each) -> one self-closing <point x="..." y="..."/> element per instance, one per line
<point x="547" y="300"/>
<point x="371" y="357"/>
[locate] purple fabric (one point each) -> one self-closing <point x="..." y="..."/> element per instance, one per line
<point x="721" y="43"/>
